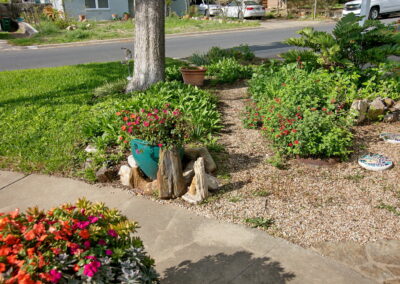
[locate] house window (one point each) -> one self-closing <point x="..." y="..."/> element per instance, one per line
<point x="96" y="4"/>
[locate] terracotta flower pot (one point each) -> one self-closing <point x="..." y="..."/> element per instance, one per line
<point x="193" y="75"/>
<point x="82" y="18"/>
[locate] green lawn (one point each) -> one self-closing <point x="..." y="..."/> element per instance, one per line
<point x="51" y="33"/>
<point x="42" y="112"/>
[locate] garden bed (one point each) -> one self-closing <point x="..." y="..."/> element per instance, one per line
<point x="306" y="204"/>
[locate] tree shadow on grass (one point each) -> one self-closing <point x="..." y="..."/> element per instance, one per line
<point x="240" y="267"/>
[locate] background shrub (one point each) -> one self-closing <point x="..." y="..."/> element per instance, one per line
<point x="228" y="70"/>
<point x="301" y="112"/>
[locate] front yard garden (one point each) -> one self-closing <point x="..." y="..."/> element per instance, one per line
<point x="286" y="136"/>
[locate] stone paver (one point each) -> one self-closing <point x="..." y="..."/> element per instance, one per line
<point x="378" y="260"/>
<point x="7" y="178"/>
<point x="189" y="248"/>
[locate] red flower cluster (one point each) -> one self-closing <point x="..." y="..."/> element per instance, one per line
<point x="32" y="243"/>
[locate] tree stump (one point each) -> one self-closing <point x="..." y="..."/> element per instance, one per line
<point x="171" y="183"/>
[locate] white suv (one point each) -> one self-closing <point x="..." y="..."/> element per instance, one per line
<point x="378" y="7"/>
<point x="207" y="7"/>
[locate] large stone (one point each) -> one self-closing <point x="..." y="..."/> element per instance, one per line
<point x="361" y="107"/>
<point x="397" y="106"/>
<point x="389" y="102"/>
<point x="188" y="176"/>
<point x="198" y="190"/>
<point x="132" y="162"/>
<point x="125" y="173"/>
<point x="391" y="117"/>
<point x="194" y="153"/>
<point x="212" y="182"/>
<point x="376" y="109"/>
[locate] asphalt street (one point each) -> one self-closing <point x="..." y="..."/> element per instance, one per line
<point x="263" y="41"/>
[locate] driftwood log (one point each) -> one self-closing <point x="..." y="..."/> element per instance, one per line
<point x="171" y="183"/>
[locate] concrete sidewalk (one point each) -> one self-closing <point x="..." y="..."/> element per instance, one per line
<point x="187" y="248"/>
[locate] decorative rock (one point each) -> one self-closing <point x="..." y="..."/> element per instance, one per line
<point x="131" y="161"/>
<point x="71" y="28"/>
<point x="194" y="153"/>
<point x="125" y="173"/>
<point x="361" y="107"/>
<point x="376" y="108"/>
<point x="198" y="190"/>
<point x="391" y="117"/>
<point x="90" y="149"/>
<point x="189" y="166"/>
<point x="151" y="188"/>
<point x="397" y="106"/>
<point x="188" y="176"/>
<point x="390" y="137"/>
<point x="375" y="162"/>
<point x="105" y="174"/>
<point x="212" y="182"/>
<point x="388" y="102"/>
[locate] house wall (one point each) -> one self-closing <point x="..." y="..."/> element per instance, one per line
<point x="73" y="8"/>
<point x="178" y="7"/>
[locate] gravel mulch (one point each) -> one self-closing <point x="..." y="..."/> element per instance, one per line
<point x="308" y="203"/>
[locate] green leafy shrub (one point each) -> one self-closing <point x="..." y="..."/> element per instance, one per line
<point x="301" y="112"/>
<point x="228" y="70"/>
<point x="349" y="45"/>
<point x="241" y="53"/>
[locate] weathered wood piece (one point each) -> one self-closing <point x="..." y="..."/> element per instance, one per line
<point x="198" y="190"/>
<point x="170" y="177"/>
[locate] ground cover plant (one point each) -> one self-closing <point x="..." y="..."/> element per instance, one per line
<point x="85" y="242"/>
<point x="56" y="114"/>
<point x="51" y="31"/>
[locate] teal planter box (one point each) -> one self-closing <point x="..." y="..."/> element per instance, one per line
<point x="147" y="156"/>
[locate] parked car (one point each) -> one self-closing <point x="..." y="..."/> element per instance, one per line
<point x="378" y="8"/>
<point x="243" y="9"/>
<point x="208" y="7"/>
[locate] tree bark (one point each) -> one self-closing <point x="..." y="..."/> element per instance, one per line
<point x="149" y="48"/>
<point x="170" y="177"/>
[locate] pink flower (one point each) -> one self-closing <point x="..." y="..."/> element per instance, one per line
<point x="55" y="276"/>
<point x="142" y="110"/>
<point x="93" y="219"/>
<point x="160" y="145"/>
<point x="156" y="117"/>
<point x="137" y="151"/>
<point x="91" y="269"/>
<point x="155" y="111"/>
<point x="109" y="252"/>
<point x="130" y="130"/>
<point x="86" y="244"/>
<point x="146" y="123"/>
<point x="82" y="224"/>
<point x="165" y="111"/>
<point x="136" y="122"/>
<point x="112" y="233"/>
<point x="102" y="242"/>
<point x="91" y="257"/>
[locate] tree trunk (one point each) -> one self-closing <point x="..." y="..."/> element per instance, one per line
<point x="149" y="51"/>
<point x="170" y="177"/>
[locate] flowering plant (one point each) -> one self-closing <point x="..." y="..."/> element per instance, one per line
<point x="87" y="243"/>
<point x="166" y="127"/>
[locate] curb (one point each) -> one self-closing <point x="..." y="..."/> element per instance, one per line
<point x="130" y="39"/>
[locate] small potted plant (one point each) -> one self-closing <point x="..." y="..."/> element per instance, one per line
<point x="193" y="75"/>
<point x="150" y="130"/>
<point x="126" y="16"/>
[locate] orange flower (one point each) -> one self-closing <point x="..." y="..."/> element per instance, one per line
<point x="30" y="235"/>
<point x="133" y="115"/>
<point x="30" y="252"/>
<point x="4" y="251"/>
<point x="76" y="268"/>
<point x="11" y="239"/>
<point x="2" y="267"/>
<point x="118" y="113"/>
<point x="39" y="229"/>
<point x="84" y="234"/>
<point x="14" y="214"/>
